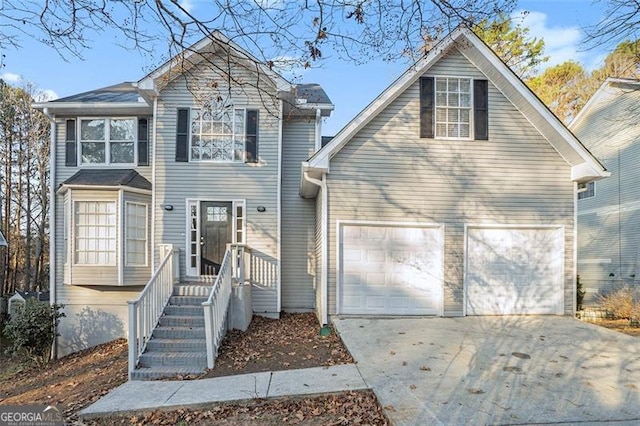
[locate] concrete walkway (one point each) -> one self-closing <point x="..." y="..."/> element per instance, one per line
<point x="143" y="395"/>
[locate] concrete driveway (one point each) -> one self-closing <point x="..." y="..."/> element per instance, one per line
<point x="497" y="370"/>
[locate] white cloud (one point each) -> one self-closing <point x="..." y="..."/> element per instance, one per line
<point x="10" y="77"/>
<point x="187" y="5"/>
<point x="47" y="95"/>
<point x="562" y="43"/>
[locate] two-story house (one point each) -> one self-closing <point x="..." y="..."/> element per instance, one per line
<point x="452" y="193"/>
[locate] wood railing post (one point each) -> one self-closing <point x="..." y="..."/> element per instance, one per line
<point x="133" y="336"/>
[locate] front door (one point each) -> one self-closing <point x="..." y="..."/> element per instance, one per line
<point x="216" y="230"/>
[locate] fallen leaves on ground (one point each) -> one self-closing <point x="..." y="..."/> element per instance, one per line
<point x="620" y="325"/>
<point x="76" y="381"/>
<point x="291" y="342"/>
<point x="347" y="408"/>
<point x="72" y="382"/>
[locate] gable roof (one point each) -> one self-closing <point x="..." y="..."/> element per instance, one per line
<point x="122" y="98"/>
<point x="192" y="56"/>
<point x="3" y="240"/>
<point x="585" y="166"/>
<point x="108" y="178"/>
<point x="609" y="90"/>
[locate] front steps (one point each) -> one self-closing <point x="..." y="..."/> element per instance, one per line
<point x="177" y="346"/>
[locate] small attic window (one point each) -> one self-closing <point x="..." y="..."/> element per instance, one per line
<point x="586" y="190"/>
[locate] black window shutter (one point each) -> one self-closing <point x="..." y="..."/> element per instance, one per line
<point x="182" y="135"/>
<point x="426" y="107"/>
<point x="71" y="147"/>
<point x="481" y="109"/>
<point x="143" y="142"/>
<point x="251" y="134"/>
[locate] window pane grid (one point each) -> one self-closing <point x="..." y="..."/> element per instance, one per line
<point x="453" y="107"/>
<point x="136" y="237"/>
<point x="95" y="232"/>
<point x="218" y="134"/>
<point x="107" y="141"/>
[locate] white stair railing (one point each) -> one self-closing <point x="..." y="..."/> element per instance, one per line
<point x="145" y="311"/>
<point x="217" y="305"/>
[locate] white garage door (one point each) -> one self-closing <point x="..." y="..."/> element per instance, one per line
<point x="513" y="271"/>
<point x="390" y="270"/>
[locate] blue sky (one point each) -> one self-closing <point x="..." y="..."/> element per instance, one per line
<point x="350" y="87"/>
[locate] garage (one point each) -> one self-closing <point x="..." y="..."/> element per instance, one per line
<point x="514" y="270"/>
<point x="390" y="269"/>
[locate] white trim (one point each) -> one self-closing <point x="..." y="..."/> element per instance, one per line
<point x="574" y="270"/>
<point x="391" y="224"/>
<point x="107" y="142"/>
<point x="470" y="108"/>
<point x="325" y="249"/>
<point x="233" y="108"/>
<point x="596" y="98"/>
<point x="120" y="234"/>
<point x="279" y="209"/>
<point x="148" y="81"/>
<point x="87" y="199"/>
<point x="507" y="226"/>
<point x="53" y="105"/>
<point x="189" y="272"/>
<point x="63" y="188"/>
<point x="154" y="196"/>
<point x="146" y="234"/>
<point x="590" y="167"/>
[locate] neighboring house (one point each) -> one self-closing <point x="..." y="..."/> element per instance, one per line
<point x="19" y="299"/>
<point x="451" y="194"/>
<point x="3" y="240"/>
<point x="609" y="210"/>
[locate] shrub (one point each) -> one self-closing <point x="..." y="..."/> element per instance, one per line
<point x="620" y="303"/>
<point x="579" y="294"/>
<point x="33" y="329"/>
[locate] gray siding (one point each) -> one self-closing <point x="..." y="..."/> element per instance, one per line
<point x="257" y="184"/>
<point x="609" y="223"/>
<point x="298" y="216"/>
<point x="95" y="314"/>
<point x="387" y="173"/>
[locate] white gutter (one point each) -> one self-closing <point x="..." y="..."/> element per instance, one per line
<point x="52" y="222"/>
<point x="279" y="209"/>
<point x="322" y="184"/>
<point x="91" y="105"/>
<point x="153" y="186"/>
<point x="574" y="279"/>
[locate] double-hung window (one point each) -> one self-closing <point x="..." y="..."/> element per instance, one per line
<point x="107" y="140"/>
<point x="453" y="107"/>
<point x="587" y="190"/>
<point x="136" y="234"/>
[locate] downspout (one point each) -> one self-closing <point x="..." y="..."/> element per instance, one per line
<point x="322" y="184"/>
<point x="279" y="209"/>
<point x="575" y="249"/>
<point x="52" y="223"/>
<point x="153" y="187"/>
<point x="318" y="141"/>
